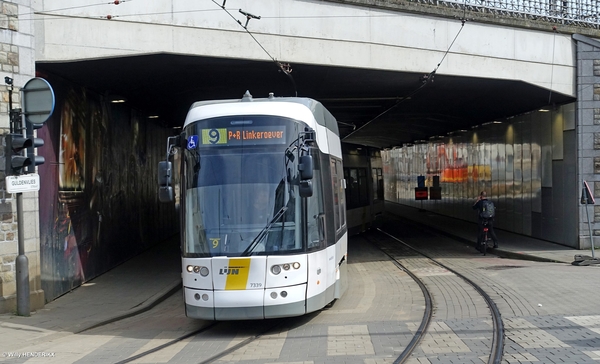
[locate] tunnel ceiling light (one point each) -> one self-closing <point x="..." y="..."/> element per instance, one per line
<point x="491" y="122"/>
<point x="153" y="117"/>
<point x="544" y="110"/>
<point x="115" y="99"/>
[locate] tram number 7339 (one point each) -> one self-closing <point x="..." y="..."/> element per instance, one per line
<point x="260" y="193"/>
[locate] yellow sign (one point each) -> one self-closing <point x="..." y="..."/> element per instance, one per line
<point x="214" y="136"/>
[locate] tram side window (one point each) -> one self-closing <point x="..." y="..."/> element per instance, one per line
<point x="377" y="176"/>
<point x="357" y="188"/>
<point x="339" y="197"/>
<point x="316" y="211"/>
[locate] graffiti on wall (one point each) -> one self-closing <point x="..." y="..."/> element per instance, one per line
<point x="98" y="203"/>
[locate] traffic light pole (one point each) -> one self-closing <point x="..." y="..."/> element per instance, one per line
<point x="38" y="105"/>
<point x="22" y="262"/>
<point x="22" y="265"/>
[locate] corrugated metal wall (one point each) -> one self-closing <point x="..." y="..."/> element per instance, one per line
<point x="526" y="164"/>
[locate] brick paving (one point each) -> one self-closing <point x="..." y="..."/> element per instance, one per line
<point x="550" y="312"/>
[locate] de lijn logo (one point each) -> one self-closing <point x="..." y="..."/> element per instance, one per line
<point x="230" y="271"/>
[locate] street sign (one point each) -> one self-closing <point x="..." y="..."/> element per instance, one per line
<point x="23" y="183"/>
<point x="38" y="101"/>
<point x="435" y="193"/>
<point x="420" y="193"/>
<point x="587" y="197"/>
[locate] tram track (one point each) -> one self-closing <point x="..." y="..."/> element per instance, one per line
<point x="206" y="330"/>
<point x="168" y="344"/>
<point x="497" y="344"/>
<point x="400" y="253"/>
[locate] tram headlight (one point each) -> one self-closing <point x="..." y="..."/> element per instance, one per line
<point x="204" y="271"/>
<point x="273" y="295"/>
<point x="286" y="266"/>
<point x="276" y="269"/>
<point x="296" y="265"/>
<point x="283" y="294"/>
<point x="198" y="269"/>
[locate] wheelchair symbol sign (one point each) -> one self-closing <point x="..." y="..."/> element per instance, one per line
<point x="192" y="142"/>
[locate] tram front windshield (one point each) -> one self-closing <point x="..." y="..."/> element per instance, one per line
<point x="240" y="195"/>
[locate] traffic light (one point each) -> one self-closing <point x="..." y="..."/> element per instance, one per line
<point x="15" y="160"/>
<point x="36" y="160"/>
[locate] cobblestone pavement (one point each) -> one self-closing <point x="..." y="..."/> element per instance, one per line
<point x="550" y="312"/>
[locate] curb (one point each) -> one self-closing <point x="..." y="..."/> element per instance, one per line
<point x="136" y="310"/>
<point x="498" y="252"/>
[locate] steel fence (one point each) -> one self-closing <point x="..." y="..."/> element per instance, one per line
<point x="585" y="13"/>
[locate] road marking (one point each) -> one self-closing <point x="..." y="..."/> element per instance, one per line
<point x="589" y="322"/>
<point x="163" y="355"/>
<point x="69" y="349"/>
<point x="529" y="336"/>
<point x="266" y="347"/>
<point x="440" y="339"/>
<point x="349" y="340"/>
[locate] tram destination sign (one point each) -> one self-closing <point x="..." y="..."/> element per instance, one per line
<point x="257" y="135"/>
<point x="23" y="183"/>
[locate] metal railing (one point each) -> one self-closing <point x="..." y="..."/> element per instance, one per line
<point x="582" y="13"/>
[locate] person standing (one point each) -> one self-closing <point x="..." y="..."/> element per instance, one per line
<point x="486" y="213"/>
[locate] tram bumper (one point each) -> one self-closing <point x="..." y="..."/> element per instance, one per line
<point x="246" y="304"/>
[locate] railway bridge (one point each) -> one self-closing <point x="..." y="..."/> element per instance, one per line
<point x="500" y="95"/>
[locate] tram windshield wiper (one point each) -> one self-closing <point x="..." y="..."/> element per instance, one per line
<point x="261" y="235"/>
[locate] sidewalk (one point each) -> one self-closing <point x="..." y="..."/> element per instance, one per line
<point x="131" y="288"/>
<point x="511" y="245"/>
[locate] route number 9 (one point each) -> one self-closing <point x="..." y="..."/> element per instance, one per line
<point x="213" y="136"/>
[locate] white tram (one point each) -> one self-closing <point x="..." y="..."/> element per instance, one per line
<point x="262" y="207"/>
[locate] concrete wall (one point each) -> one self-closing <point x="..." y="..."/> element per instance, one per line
<point x="305" y="32"/>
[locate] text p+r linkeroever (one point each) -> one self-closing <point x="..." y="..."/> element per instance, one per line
<point x="28" y="354"/>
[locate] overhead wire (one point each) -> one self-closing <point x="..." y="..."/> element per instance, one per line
<point x="425" y="79"/>
<point x="283" y="67"/>
<point x="114" y="2"/>
<point x="574" y="42"/>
